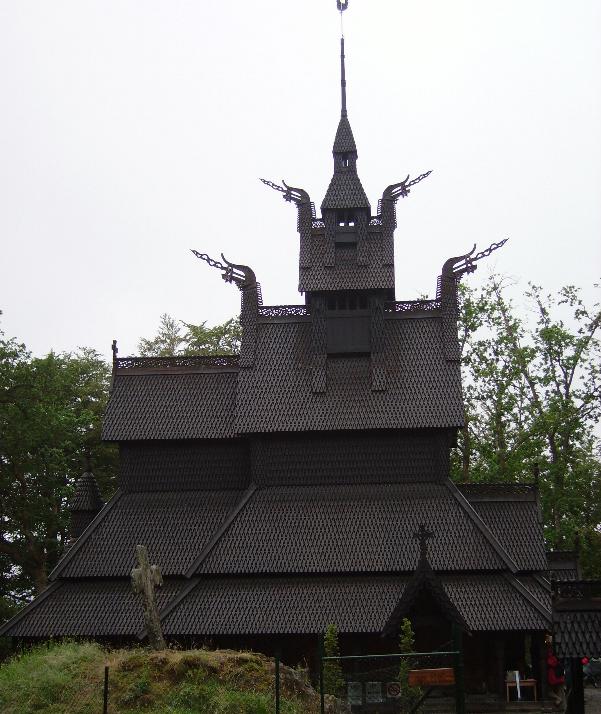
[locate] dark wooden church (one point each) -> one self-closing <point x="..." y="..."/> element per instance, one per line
<point x="282" y="489"/>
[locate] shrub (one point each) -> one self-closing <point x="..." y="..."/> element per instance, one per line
<point x="333" y="679"/>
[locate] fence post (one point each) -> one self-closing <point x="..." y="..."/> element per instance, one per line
<point x="322" y="703"/>
<point x="105" y="706"/>
<point x="277" y="682"/>
<point x="458" y="665"/>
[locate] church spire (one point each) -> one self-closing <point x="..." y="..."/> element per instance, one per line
<point x="344" y="143"/>
<point x="345" y="190"/>
<point x="342" y="79"/>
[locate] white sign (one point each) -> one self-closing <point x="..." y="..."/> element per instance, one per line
<point x="354" y="693"/>
<point x="373" y="692"/>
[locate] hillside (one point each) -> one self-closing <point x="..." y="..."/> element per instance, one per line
<point x="67" y="678"/>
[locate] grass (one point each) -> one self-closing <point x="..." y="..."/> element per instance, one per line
<point x="67" y="678"/>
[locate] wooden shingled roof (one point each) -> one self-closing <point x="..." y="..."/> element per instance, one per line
<point x="347" y="545"/>
<point x="423" y="389"/>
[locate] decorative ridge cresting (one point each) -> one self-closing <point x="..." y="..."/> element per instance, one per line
<point x="496" y="488"/>
<point x="582" y="590"/>
<point x="185" y="361"/>
<point x="412" y="306"/>
<point x="284" y="311"/>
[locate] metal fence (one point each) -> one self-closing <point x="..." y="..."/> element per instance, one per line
<point x="395" y="682"/>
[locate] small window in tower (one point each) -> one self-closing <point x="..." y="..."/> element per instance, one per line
<point x="345" y="300"/>
<point x="346" y="219"/>
<point x="345" y="160"/>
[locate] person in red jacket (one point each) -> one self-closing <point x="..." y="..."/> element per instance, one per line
<point x="555" y="677"/>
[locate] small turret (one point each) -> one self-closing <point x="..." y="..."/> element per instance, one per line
<point x="85" y="503"/>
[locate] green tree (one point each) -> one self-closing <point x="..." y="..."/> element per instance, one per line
<point x="533" y="396"/>
<point x="168" y="340"/>
<point x="333" y="679"/>
<point x="181" y="338"/>
<point x="221" y="339"/>
<point x="50" y="417"/>
<point x="409" y="695"/>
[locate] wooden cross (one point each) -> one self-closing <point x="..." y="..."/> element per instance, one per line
<point x="423" y="535"/>
<point x="144" y="579"/>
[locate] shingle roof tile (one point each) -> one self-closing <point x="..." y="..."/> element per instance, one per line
<point x="171" y="406"/>
<point x="357" y="604"/>
<point x="423" y="389"/>
<point x="222" y="606"/>
<point x="86" y="496"/>
<point x="344" y="141"/>
<point x="516" y="525"/>
<point x="376" y="274"/>
<point x="345" y="191"/>
<point x="93" y="608"/>
<point x="577" y="633"/>
<point x="174" y="526"/>
<point x="349" y="528"/>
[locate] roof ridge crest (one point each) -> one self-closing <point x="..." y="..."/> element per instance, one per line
<point x="220" y="532"/>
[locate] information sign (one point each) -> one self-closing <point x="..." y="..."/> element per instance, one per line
<point x="354" y="693"/>
<point x="373" y="692"/>
<point x="429" y="677"/>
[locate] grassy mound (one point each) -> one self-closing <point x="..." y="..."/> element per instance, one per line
<point x="67" y="678"/>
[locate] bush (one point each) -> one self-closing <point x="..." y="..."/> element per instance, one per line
<point x="333" y="679"/>
<point x="409" y="695"/>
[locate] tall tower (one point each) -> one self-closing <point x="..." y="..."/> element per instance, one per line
<point x="346" y="256"/>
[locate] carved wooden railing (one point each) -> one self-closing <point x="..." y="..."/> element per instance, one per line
<point x="176" y="361"/>
<point x="283" y="311"/>
<point x="412" y="306"/>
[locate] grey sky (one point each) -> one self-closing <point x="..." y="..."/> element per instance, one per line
<point x="133" y="131"/>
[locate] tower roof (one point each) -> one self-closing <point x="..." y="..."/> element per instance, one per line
<point x="345" y="189"/>
<point x="344" y="141"/>
<point x="87" y="494"/>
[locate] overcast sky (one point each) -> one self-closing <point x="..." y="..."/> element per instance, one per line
<point x="133" y="131"/>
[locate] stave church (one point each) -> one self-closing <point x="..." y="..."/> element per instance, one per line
<point x="306" y="480"/>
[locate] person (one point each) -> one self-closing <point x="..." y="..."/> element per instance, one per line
<point x="555" y="677"/>
<point x="592" y="671"/>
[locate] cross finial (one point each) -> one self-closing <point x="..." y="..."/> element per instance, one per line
<point x="423" y="536"/>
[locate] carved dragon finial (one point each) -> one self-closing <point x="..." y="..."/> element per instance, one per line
<point x="296" y="195"/>
<point x="241" y="275"/>
<point x="291" y="194"/>
<point x="403" y="188"/>
<point x="458" y="266"/>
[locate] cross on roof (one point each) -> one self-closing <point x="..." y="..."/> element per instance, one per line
<point x="423" y="535"/>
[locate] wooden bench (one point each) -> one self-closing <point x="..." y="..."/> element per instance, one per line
<point x="524" y="684"/>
